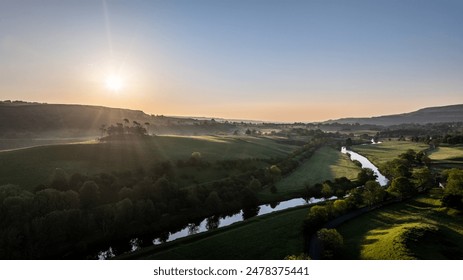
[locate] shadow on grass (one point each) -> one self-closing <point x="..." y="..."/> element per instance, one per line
<point x="368" y="241"/>
<point x="441" y="245"/>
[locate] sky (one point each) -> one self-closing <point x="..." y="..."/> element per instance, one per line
<point x="255" y="59"/>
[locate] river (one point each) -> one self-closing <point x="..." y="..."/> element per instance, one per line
<point x="218" y="222"/>
<point x="213" y="223"/>
<point x="366" y="164"/>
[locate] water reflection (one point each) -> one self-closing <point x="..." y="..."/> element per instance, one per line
<point x="274" y="204"/>
<point x="380" y="178"/>
<point x="163" y="237"/>
<point x="218" y="222"/>
<point x="250" y="212"/>
<point x="193" y="228"/>
<point x="212" y="222"/>
<point x="134" y="244"/>
<point x="103" y="255"/>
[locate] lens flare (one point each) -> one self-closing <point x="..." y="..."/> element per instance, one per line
<point x="114" y="83"/>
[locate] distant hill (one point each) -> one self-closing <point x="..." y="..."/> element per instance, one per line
<point x="24" y="119"/>
<point x="451" y="113"/>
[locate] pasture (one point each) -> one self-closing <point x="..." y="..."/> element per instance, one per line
<point x="419" y="228"/>
<point x="446" y="156"/>
<point x="32" y="166"/>
<point x="387" y="150"/>
<point x="325" y="164"/>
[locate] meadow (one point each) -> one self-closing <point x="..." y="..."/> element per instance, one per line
<point x="32" y="166"/>
<point x="446" y="156"/>
<point x="419" y="228"/>
<point x="267" y="237"/>
<point x="387" y="150"/>
<point x="13" y="144"/>
<point x="325" y="164"/>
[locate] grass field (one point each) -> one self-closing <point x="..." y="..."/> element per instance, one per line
<point x="33" y="166"/>
<point x="447" y="156"/>
<point x="416" y="229"/>
<point x="387" y="150"/>
<point x="325" y="164"/>
<point x="10" y="144"/>
<point x="267" y="237"/>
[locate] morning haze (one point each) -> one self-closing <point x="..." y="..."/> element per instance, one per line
<point x="266" y="60"/>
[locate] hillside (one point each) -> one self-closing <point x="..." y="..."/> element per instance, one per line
<point x="451" y="113"/>
<point x="24" y="119"/>
<point x="56" y="121"/>
<point x="91" y="158"/>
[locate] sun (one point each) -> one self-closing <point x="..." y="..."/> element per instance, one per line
<point x="114" y="83"/>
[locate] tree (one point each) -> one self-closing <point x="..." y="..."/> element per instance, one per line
<point x="275" y="173"/>
<point x="402" y="187"/>
<point x="401" y="170"/>
<point x="249" y="198"/>
<point x="164" y="189"/>
<point x="273" y="188"/>
<point x="422" y="177"/>
<point x="213" y="202"/>
<point x="145" y="212"/>
<point x="319" y="211"/>
<point x="365" y="175"/>
<point x="409" y="155"/>
<point x="124" y="213"/>
<point x="340" y="206"/>
<point x="126" y="192"/>
<point x="422" y="158"/>
<point x="326" y="190"/>
<point x="454" y="184"/>
<point x="59" y="180"/>
<point x="255" y="184"/>
<point x="70" y="200"/>
<point x="373" y="193"/>
<point x="355" y="198"/>
<point x="348" y="142"/>
<point x="195" y="157"/>
<point x="332" y="242"/>
<point x="46" y="201"/>
<point x="398" y="167"/>
<point x="453" y="191"/>
<point x="89" y="194"/>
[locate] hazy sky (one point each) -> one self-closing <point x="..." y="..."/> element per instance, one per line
<point x="250" y="59"/>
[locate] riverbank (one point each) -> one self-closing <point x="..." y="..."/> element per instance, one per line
<point x="214" y="222"/>
<point x="271" y="236"/>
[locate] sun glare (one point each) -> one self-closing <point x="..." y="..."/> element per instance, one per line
<point x="114" y="83"/>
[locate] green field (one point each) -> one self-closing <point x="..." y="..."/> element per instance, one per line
<point x="447" y="156"/>
<point x="33" y="166"/>
<point x="325" y="164"/>
<point x="416" y="229"/>
<point x="387" y="150"/>
<point x="272" y="236"/>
